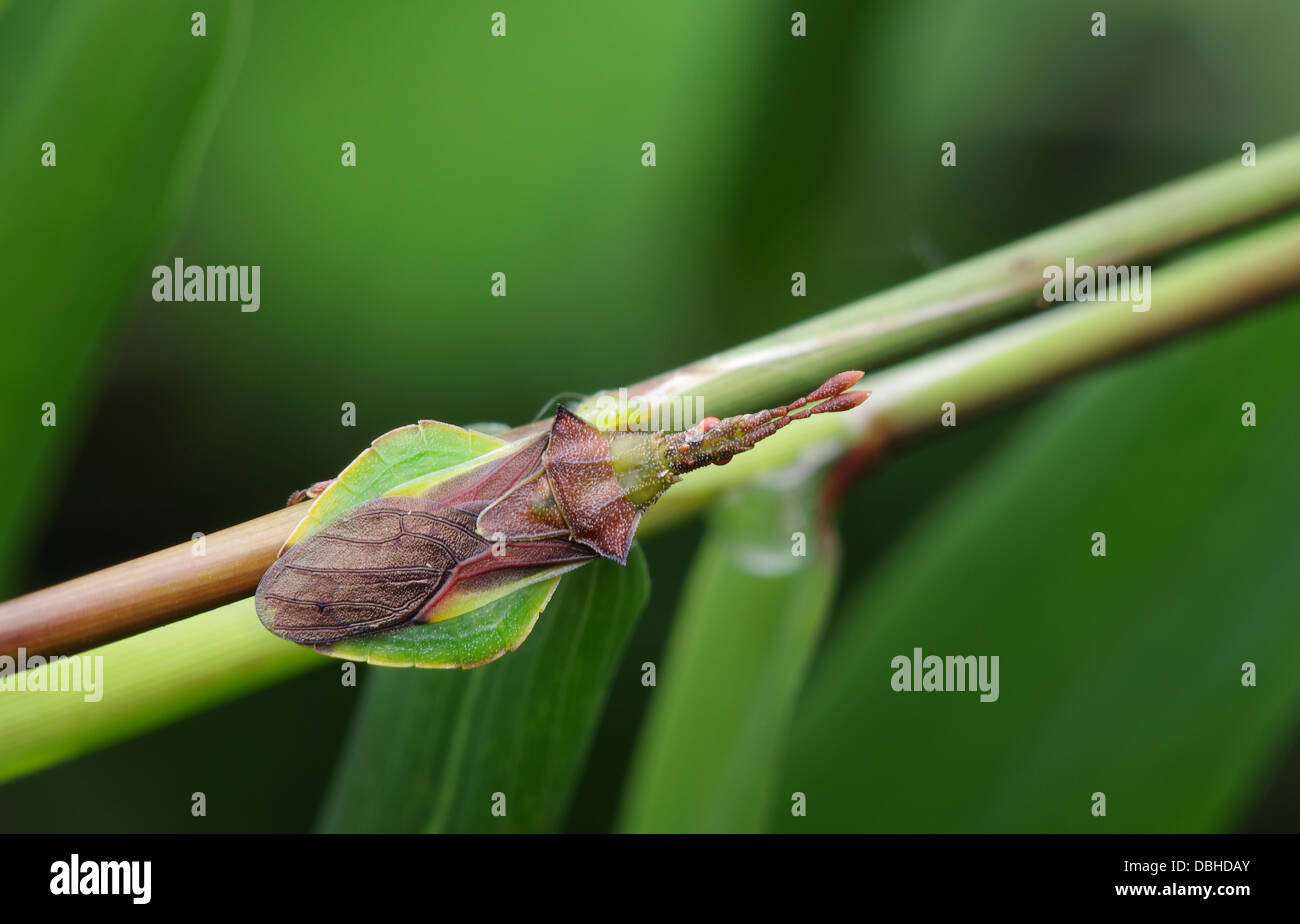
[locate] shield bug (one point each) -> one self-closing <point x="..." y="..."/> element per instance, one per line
<point x="434" y="522"/>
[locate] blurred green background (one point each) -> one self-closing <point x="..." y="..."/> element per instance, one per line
<point x="774" y="155"/>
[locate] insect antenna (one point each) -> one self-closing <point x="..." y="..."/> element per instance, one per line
<point x="548" y="409"/>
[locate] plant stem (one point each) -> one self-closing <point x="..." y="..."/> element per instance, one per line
<point x="224" y="653"/>
<point x="143" y="682"/>
<point x="146" y="592"/>
<point x="174" y="583"/>
<point x="967" y="295"/>
<point x="1255" y="268"/>
<point x="1015" y="359"/>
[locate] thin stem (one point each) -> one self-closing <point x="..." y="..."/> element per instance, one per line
<point x="1253" y="269"/>
<point x="896" y="323"/>
<point x="146" y="592"/>
<point x="174" y="583"/>
<point x="142" y="682"/>
<point x="907" y="399"/>
<point x="228" y="646"/>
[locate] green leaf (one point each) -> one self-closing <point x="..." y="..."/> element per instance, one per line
<point x="469" y="640"/>
<point x="1119" y="674"/>
<point x="428" y="750"/>
<point x="751" y="615"/>
<point x="396" y="458"/>
<point x="79" y="237"/>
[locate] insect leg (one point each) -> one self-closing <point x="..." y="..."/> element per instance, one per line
<point x="310" y="493"/>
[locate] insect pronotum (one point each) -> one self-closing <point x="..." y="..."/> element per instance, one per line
<point x="546" y="505"/>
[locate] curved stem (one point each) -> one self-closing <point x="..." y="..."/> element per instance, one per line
<point x="174" y="583"/>
<point x="968" y="295"/>
<point x="225" y="653"/>
<point x="907" y="399"/>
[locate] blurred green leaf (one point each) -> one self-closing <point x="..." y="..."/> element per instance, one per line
<point x="128" y="131"/>
<point x="428" y="750"/>
<point x="751" y="616"/>
<point x="1119" y="674"/>
<point x="384" y="259"/>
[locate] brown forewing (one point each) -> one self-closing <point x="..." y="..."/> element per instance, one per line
<point x="374" y="568"/>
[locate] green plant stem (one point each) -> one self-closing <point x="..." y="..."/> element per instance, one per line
<point x="907" y="399"/>
<point x="143" y="682"/>
<point x="170" y="585"/>
<point x="1022" y="357"/>
<point x="224" y="653"/>
<point x="968" y="295"/>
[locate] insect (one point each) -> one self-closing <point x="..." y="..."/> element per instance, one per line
<point x="450" y="539"/>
